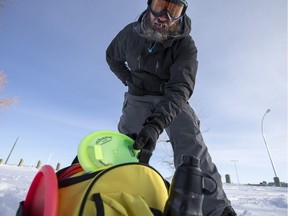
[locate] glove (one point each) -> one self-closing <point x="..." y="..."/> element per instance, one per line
<point x="147" y="138"/>
<point x="132" y="135"/>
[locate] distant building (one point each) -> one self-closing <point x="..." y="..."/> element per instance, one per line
<point x="264" y="183"/>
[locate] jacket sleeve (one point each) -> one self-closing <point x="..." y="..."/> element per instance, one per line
<point x="181" y="84"/>
<point x="115" y="57"/>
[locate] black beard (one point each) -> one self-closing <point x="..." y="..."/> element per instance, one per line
<point x="156" y="35"/>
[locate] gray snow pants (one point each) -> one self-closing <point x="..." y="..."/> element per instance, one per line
<point x="185" y="138"/>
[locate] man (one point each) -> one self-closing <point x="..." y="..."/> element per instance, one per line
<point x="157" y="59"/>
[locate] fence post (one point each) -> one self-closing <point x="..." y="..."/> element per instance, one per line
<point x="38" y="164"/>
<point x="228" y="180"/>
<point x="58" y="166"/>
<point x="21" y="162"/>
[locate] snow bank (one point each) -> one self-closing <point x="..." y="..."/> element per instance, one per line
<point x="246" y="200"/>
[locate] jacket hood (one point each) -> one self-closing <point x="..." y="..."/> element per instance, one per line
<point x="185" y="23"/>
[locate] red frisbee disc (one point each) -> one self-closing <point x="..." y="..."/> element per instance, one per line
<point x="42" y="196"/>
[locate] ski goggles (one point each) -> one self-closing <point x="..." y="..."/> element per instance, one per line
<point x="174" y="9"/>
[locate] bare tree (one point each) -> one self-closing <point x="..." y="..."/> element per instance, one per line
<point x="168" y="159"/>
<point x="3" y="3"/>
<point x="4" y="102"/>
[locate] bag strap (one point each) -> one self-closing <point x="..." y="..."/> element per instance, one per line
<point x="209" y="185"/>
<point x="64" y="175"/>
<point x="98" y="204"/>
<point x="156" y="212"/>
<point x="102" y="172"/>
<point x="100" y="207"/>
<point x="68" y="171"/>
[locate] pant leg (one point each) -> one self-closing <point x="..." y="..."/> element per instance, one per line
<point x="186" y="138"/>
<point x="134" y="113"/>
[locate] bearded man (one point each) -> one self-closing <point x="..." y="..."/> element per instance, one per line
<point x="157" y="59"/>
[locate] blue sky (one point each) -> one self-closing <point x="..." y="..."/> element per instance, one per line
<point x="53" y="53"/>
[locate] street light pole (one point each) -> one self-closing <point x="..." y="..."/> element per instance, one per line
<point x="11" y="150"/>
<point x="276" y="179"/>
<point x="234" y="161"/>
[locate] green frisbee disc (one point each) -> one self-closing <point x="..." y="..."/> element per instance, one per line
<point x="102" y="149"/>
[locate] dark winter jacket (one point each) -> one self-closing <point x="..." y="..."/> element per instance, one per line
<point x="150" y="68"/>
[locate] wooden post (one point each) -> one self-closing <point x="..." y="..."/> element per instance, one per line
<point x="228" y="180"/>
<point x="58" y="166"/>
<point x="38" y="164"/>
<point x="21" y="162"/>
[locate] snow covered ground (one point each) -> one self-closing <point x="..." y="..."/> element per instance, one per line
<point x="246" y="200"/>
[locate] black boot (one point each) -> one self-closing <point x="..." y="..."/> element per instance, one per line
<point x="229" y="211"/>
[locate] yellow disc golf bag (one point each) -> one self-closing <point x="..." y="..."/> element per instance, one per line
<point x="130" y="189"/>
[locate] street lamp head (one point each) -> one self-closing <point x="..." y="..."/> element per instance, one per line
<point x="268" y="110"/>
